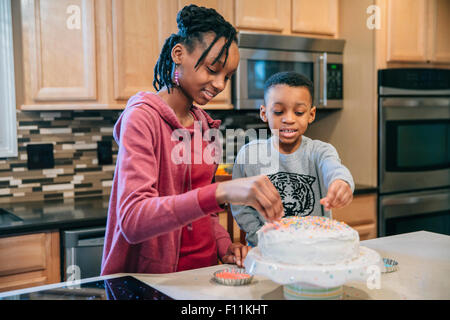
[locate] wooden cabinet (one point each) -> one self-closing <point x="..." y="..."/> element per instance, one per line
<point x="407" y="30"/>
<point x="439" y="38"/>
<point x="301" y="17"/>
<point x="29" y="260"/>
<point x="86" y="54"/>
<point x="414" y="32"/>
<point x="224" y="7"/>
<point x="319" y="17"/>
<point x="361" y="215"/>
<point x="138" y="30"/>
<point x="263" y="15"/>
<point x="59" y="52"/>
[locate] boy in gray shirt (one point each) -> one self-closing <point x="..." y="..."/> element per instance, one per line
<point x="307" y="173"/>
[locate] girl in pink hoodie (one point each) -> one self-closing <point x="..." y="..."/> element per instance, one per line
<point x="162" y="213"/>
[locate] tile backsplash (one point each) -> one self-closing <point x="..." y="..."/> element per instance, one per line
<point x="74" y="135"/>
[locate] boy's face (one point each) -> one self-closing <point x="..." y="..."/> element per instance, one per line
<point x="289" y="111"/>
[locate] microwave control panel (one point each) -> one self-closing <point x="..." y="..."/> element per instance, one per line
<point x="334" y="81"/>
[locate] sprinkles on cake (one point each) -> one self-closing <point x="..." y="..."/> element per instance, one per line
<point x="309" y="222"/>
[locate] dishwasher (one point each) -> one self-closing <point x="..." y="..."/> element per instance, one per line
<point x="83" y="250"/>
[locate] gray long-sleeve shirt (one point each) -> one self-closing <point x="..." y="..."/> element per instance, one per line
<point x="302" y="179"/>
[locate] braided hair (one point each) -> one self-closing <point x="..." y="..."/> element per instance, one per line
<point x="193" y="22"/>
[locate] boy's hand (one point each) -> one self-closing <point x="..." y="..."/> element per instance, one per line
<point x="339" y="195"/>
<point x="236" y="254"/>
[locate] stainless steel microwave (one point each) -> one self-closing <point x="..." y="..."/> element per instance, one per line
<point x="262" y="55"/>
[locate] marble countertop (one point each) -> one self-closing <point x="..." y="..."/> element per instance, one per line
<point x="55" y="214"/>
<point x="424" y="266"/>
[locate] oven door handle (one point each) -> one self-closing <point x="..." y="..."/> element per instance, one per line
<point x="411" y="205"/>
<point x="416" y="200"/>
<point x="400" y="202"/>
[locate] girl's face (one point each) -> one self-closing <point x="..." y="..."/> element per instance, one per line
<point x="203" y="83"/>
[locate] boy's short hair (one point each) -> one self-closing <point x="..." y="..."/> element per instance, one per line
<point x="289" y="78"/>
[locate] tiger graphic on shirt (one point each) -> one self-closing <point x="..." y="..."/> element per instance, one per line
<point x="295" y="191"/>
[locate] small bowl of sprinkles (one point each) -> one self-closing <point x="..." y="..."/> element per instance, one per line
<point x="232" y="277"/>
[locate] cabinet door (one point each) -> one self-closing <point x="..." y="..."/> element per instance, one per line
<point x="29" y="260"/>
<point x="59" y="50"/>
<point x="224" y="7"/>
<point x="407" y="30"/>
<point x="439" y="31"/>
<point x="139" y="29"/>
<point x="263" y="15"/>
<point x="315" y="17"/>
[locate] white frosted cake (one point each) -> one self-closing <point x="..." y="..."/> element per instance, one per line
<point x="308" y="240"/>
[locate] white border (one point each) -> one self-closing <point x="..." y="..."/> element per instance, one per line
<point x="8" y="125"/>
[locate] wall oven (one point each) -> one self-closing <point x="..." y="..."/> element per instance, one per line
<point x="262" y="55"/>
<point x="414" y="150"/>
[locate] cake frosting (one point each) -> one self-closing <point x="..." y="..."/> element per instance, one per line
<point x="308" y="240"/>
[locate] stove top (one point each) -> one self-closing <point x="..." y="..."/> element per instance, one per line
<point x="121" y="288"/>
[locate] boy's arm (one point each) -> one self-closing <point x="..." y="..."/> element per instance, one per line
<point x="249" y="220"/>
<point x="336" y="177"/>
<point x="331" y="167"/>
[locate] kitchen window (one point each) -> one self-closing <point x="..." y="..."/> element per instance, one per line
<point x="8" y="126"/>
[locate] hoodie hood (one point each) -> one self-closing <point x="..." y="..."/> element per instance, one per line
<point x="152" y="100"/>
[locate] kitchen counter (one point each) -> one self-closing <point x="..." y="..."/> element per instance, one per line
<point x="55" y="214"/>
<point x="424" y="265"/>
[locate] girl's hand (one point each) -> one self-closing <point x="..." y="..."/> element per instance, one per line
<point x="257" y="192"/>
<point x="339" y="195"/>
<point x="236" y="253"/>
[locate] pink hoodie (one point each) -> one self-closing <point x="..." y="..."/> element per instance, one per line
<point x="149" y="202"/>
